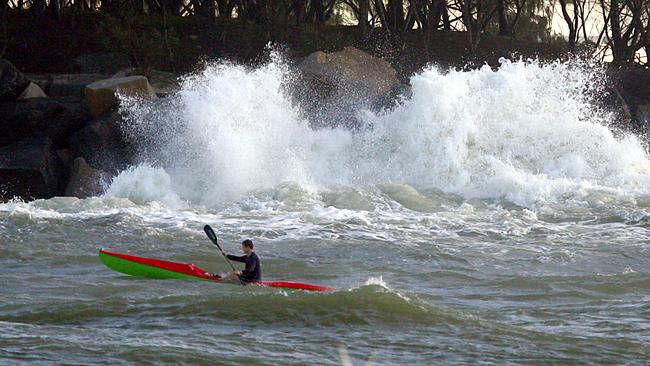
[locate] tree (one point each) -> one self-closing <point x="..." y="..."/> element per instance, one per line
<point x="572" y="23"/>
<point x="364" y="9"/>
<point x="502" y="12"/>
<point x="627" y="28"/>
<point x="476" y="14"/>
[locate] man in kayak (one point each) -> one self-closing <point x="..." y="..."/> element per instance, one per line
<point x="253" y="271"/>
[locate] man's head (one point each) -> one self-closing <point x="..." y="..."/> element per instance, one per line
<point x="247" y="246"/>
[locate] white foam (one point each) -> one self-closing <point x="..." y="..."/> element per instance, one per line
<point x="144" y="184"/>
<point x="377" y="281"/>
<point x="526" y="133"/>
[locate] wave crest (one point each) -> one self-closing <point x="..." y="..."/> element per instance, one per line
<point x="525" y="132"/>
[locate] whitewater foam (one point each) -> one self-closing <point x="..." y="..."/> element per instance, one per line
<point x="527" y="133"/>
<point x="143" y="184"/>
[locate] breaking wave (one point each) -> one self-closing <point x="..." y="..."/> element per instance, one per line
<point x="525" y="133"/>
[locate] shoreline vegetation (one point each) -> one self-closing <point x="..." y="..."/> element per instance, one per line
<point x="47" y="46"/>
<point x="172" y="35"/>
<point x="62" y="63"/>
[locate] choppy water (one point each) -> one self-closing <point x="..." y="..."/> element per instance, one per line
<point x="492" y="218"/>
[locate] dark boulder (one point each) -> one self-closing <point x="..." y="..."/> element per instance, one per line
<point x="32" y="91"/>
<point x="65" y="85"/>
<point x="163" y="83"/>
<point x="636" y="82"/>
<point x="637" y="110"/>
<point x="84" y="181"/>
<point x="101" y="95"/>
<point x="48" y="117"/>
<point x="12" y="81"/>
<point x="31" y="169"/>
<point x="333" y="87"/>
<point x="102" y="144"/>
<point x="633" y="87"/>
<point x="66" y="156"/>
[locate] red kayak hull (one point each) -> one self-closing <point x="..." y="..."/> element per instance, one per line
<point x="162" y="269"/>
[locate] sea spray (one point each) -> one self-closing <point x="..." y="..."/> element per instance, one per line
<point x="527" y="132"/>
<point x="142" y="184"/>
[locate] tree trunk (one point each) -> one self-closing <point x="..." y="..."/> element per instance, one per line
<point x="364" y="8"/>
<point x="615" y="23"/>
<point x="381" y="12"/>
<point x="570" y="24"/>
<point x="156" y="7"/>
<point x="55" y="9"/>
<point x="299" y="11"/>
<point x="396" y="14"/>
<point x="446" y="23"/>
<point x="520" y="4"/>
<point x="504" y="26"/>
<point x="37" y="6"/>
<point x="434" y="15"/>
<point x="173" y="7"/>
<point x="316" y="11"/>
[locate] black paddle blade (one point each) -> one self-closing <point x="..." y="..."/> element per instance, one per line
<point x="210" y="233"/>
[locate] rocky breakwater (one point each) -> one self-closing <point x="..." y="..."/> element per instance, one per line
<point x="61" y="145"/>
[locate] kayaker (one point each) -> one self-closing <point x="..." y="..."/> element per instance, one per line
<point x="253" y="271"/>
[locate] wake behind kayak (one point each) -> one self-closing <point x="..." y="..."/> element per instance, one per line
<point x="162" y="269"/>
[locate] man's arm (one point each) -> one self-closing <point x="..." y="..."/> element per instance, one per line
<point x="236" y="258"/>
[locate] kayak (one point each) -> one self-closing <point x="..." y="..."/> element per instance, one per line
<point x="161" y="269"/>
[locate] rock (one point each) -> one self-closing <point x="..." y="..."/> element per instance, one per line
<point x="129" y="71"/>
<point x="48" y="117"/>
<point x="633" y="88"/>
<point x="101" y="95"/>
<point x="636" y="82"/>
<point x="163" y="83"/>
<point x="642" y="113"/>
<point x="351" y="67"/>
<point x="12" y="82"/>
<point x="101" y="63"/>
<point x="84" y="181"/>
<point x="42" y="80"/>
<point x="32" y="91"/>
<point x="65" y="85"/>
<point x="65" y="155"/>
<point x="334" y="86"/>
<point x="71" y="84"/>
<point x="102" y="144"/>
<point x="639" y="111"/>
<point x="31" y="169"/>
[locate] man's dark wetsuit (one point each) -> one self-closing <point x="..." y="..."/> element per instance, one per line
<point x="253" y="270"/>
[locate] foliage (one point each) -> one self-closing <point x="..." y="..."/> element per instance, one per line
<point x="149" y="41"/>
<point x="141" y="28"/>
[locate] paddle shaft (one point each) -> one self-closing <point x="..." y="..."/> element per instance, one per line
<point x="213" y="238"/>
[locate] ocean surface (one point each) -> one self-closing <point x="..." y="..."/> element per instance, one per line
<point x="493" y="217"/>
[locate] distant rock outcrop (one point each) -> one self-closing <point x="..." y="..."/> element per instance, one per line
<point x="32" y="91"/>
<point x="102" y="144"/>
<point x="163" y="83"/>
<point x="47" y="117"/>
<point x="31" y="169"/>
<point x="634" y="88"/>
<point x="65" y="85"/>
<point x="12" y="82"/>
<point x="102" y="95"/>
<point x="332" y="87"/>
<point x="84" y="181"/>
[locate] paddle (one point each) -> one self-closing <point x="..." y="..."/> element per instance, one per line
<point x="213" y="237"/>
